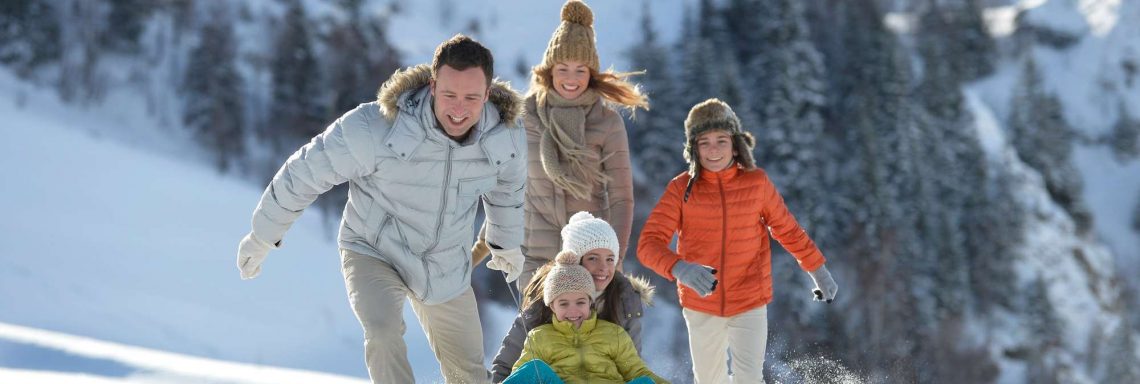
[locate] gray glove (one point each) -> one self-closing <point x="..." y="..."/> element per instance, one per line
<point x="698" y="277"/>
<point x="825" y="286"/>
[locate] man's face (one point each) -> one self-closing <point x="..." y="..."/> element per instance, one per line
<point x="458" y="98"/>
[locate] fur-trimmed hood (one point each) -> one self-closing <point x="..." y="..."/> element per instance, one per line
<point x="642" y="286"/>
<point x="403" y="82"/>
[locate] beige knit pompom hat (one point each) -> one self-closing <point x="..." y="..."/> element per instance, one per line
<point x="574" y="38"/>
<point x="567" y="276"/>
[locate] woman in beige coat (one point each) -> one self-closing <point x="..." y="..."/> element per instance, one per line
<point x="578" y="151"/>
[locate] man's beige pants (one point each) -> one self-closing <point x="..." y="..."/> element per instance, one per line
<point x="711" y="337"/>
<point x="377" y="295"/>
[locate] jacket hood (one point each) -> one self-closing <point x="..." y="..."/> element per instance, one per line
<point x="642" y="286"/>
<point x="508" y="102"/>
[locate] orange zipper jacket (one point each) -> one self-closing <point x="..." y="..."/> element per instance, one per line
<point x="725" y="225"/>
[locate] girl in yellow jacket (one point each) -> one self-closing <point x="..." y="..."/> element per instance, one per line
<point x="576" y="347"/>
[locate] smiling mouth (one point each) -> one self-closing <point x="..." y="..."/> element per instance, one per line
<point x="714" y="159"/>
<point x="570" y="88"/>
<point x="455" y="120"/>
<point x="600" y="277"/>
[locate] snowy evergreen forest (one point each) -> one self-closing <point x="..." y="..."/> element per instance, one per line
<point x="931" y="148"/>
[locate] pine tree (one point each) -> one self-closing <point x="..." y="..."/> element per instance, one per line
<point x="1044" y="338"/>
<point x="995" y="233"/>
<point x="878" y="124"/>
<point x="360" y="57"/>
<point x="698" y="75"/>
<point x="213" y="94"/>
<point x="786" y="72"/>
<point x="879" y="127"/>
<point x="953" y="148"/>
<point x="743" y="18"/>
<point x="1136" y="217"/>
<point x="29" y="34"/>
<point x="81" y="78"/>
<point x="958" y="28"/>
<point x="790" y="137"/>
<point x="125" y="23"/>
<point x="658" y="133"/>
<point x="1044" y="141"/>
<point x="1123" y="140"/>
<point x="295" y="112"/>
<point x="1122" y="357"/>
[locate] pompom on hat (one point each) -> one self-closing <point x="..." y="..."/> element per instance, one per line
<point x="566" y="277"/>
<point x="711" y="115"/>
<point x="585" y="233"/>
<point x="573" y="39"/>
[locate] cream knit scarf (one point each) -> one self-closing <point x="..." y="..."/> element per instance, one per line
<point x="562" y="148"/>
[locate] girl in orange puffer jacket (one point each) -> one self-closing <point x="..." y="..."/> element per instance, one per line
<point x="722" y="210"/>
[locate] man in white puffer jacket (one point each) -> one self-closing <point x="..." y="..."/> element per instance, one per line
<point x="438" y="140"/>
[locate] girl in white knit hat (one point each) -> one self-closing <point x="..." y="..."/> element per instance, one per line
<point x="617" y="298"/>
<point x="576" y="346"/>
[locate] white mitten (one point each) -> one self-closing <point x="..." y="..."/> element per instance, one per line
<point x="251" y="252"/>
<point x="509" y="261"/>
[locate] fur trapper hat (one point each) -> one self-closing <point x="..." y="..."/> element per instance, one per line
<point x="710" y="115"/>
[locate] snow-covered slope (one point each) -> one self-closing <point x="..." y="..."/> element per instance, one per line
<point x="1094" y="83"/>
<point x="86" y="360"/>
<point x="1078" y="272"/>
<point x="109" y="242"/>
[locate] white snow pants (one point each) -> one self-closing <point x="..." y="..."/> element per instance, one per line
<point x="711" y="337"/>
<point x="377" y="294"/>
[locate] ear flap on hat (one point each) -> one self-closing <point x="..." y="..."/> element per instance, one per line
<point x="743" y="143"/>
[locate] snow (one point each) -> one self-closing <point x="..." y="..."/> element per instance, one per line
<point x="1102" y="15"/>
<point x="126" y="245"/>
<point x="1097" y="16"/>
<point x="1077" y="270"/>
<point x="118" y="245"/>
<point x="1059" y="15"/>
<point x="1111" y="188"/>
<point x="131" y="243"/>
<point x="118" y="363"/>
<point x="1092" y="85"/>
<point x="1001" y="21"/>
<point x="989" y="128"/>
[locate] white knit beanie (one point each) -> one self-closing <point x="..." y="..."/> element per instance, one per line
<point x="585" y="233"/>
<point x="567" y="276"/>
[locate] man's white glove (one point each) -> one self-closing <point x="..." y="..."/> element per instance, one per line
<point x="825" y="287"/>
<point x="251" y="252"/>
<point x="509" y="261"/>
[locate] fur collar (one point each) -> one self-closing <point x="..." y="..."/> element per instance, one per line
<point x="506" y="100"/>
<point x="642" y="286"/>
